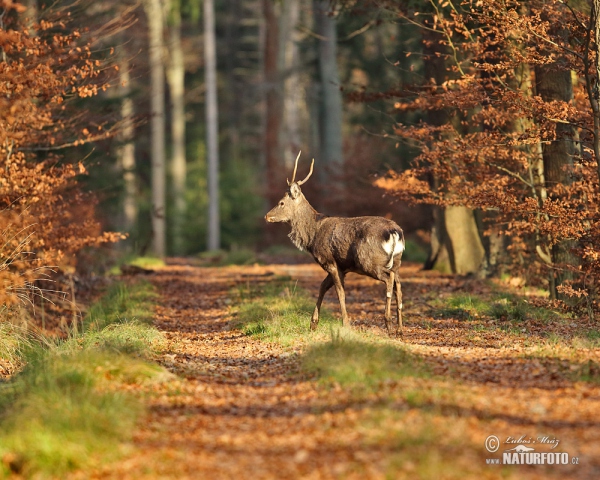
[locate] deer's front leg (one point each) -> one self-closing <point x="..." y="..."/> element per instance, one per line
<point x="338" y="281"/>
<point x="325" y="286"/>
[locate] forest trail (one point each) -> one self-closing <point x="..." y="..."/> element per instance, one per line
<point x="241" y="408"/>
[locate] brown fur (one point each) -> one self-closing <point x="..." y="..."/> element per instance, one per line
<point x="341" y="245"/>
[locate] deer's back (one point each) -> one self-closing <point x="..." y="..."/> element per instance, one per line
<point x="355" y="244"/>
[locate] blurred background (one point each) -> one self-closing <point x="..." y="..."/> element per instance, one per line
<point x="289" y="76"/>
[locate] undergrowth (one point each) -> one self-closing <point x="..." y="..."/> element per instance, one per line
<point x="504" y="307"/>
<point x="280" y="311"/>
<point x="65" y="411"/>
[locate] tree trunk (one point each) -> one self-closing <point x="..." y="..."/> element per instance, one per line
<point x="126" y="150"/>
<point x="154" y="13"/>
<point x="289" y="60"/>
<point x="554" y="82"/>
<point x="212" y="126"/>
<point x="434" y="69"/>
<point x="274" y="103"/>
<point x="176" y="79"/>
<point x="466" y="252"/>
<point x="331" y="111"/>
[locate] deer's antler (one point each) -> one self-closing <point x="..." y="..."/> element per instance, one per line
<point x="309" y="173"/>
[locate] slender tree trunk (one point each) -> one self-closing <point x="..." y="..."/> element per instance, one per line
<point x="289" y="58"/>
<point x="555" y="83"/>
<point x="126" y="151"/>
<point x="331" y="96"/>
<point x="274" y="104"/>
<point x="154" y="13"/>
<point x="212" y="126"/>
<point x="176" y="79"/>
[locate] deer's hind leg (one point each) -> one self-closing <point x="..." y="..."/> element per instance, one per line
<point x="399" y="307"/>
<point x="325" y="286"/>
<point x="338" y="282"/>
<point x="389" y="287"/>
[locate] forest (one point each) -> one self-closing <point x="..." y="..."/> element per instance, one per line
<point x="142" y="143"/>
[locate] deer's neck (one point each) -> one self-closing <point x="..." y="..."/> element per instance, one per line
<point x="304" y="226"/>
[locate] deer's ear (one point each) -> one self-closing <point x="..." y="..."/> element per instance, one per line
<point x="294" y="191"/>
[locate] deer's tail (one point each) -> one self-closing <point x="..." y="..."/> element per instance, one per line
<point x="393" y="246"/>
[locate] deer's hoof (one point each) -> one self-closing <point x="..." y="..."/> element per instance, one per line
<point x="313" y="326"/>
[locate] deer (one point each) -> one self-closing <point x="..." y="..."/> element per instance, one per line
<point x="369" y="245"/>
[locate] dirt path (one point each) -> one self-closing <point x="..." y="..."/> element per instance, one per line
<point x="240" y="408"/>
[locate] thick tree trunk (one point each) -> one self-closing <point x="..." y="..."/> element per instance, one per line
<point x="555" y="83"/>
<point x="154" y="13"/>
<point x="176" y="79"/>
<point x="212" y="126"/>
<point x="466" y="252"/>
<point x="331" y="111"/>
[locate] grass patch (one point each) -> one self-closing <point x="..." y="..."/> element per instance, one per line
<point x="502" y="307"/>
<point x="279" y="311"/>
<point x="14" y="342"/>
<point x="66" y="410"/>
<point x="136" y="261"/>
<point x="463" y="307"/>
<point x="121" y="303"/>
<point x="351" y="361"/>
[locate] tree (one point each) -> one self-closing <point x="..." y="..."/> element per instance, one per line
<point x="45" y="218"/>
<point x="507" y="149"/>
<point x="176" y="79"/>
<point x="154" y="14"/>
<point x="212" y="125"/>
<point x="331" y="111"/>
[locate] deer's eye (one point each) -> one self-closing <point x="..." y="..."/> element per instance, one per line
<point x="281" y="204"/>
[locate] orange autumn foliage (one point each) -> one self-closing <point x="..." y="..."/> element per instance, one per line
<point x="44" y="217"/>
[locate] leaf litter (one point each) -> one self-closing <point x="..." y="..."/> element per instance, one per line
<point x="243" y="408"/>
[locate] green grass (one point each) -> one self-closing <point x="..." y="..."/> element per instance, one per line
<point x="279" y="311"/>
<point x="121" y="303"/>
<point x="66" y="410"/>
<point x="504" y="307"/>
<point x="137" y="261"/>
<point x="352" y="361"/>
<point x="14" y="342"/>
<point x="463" y="307"/>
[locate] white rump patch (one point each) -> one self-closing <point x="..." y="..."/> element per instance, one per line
<point x="393" y="246"/>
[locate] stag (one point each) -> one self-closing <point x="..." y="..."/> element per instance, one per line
<point x="370" y="246"/>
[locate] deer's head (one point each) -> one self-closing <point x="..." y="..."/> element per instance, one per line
<point x="288" y="205"/>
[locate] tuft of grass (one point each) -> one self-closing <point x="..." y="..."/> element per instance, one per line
<point x="136" y="261"/>
<point x="463" y="307"/>
<point x="122" y="303"/>
<point x="64" y="417"/>
<point x="280" y="312"/>
<point x="351" y="361"/>
<point x="66" y="410"/>
<point x="14" y="342"/>
<point x="500" y="307"/>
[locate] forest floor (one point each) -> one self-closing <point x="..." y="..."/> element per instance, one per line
<point x="241" y="407"/>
